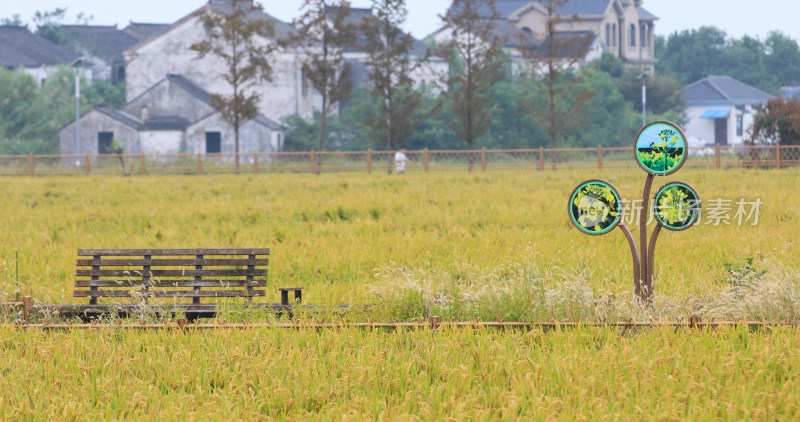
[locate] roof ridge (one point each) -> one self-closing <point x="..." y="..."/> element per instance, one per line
<point x="716" y="88"/>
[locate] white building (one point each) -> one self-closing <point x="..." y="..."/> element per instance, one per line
<point x="720" y="110"/>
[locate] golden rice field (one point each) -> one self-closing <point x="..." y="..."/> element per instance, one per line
<point x="489" y="245"/>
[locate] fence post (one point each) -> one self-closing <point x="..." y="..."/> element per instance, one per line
<point x="426" y="160"/>
<point x="718" y="153"/>
<point x="541" y="158"/>
<point x="27" y="303"/>
<point x="311" y="161"/>
<point x="483" y="159"/>
<point x="199" y="163"/>
<point x="255" y="162"/>
<point x="142" y="164"/>
<point x="30" y="165"/>
<point x="86" y="163"/>
<point x="599" y="157"/>
<point x="369" y="161"/>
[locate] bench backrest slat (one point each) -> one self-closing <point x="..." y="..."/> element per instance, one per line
<point x="171" y="252"/>
<point x="147" y="273"/>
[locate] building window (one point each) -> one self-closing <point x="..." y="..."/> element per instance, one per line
<point x="642" y="36"/>
<point x="614" y="34"/>
<point x="213" y="142"/>
<point x="104" y="141"/>
<point x="632" y="36"/>
<point x="608" y="34"/>
<point x="527" y="31"/>
<point x="739" y="125"/>
<point x="303" y="83"/>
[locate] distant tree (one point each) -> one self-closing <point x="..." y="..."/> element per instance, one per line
<point x="782" y="60"/>
<point x="663" y="92"/>
<point x="50" y="24"/>
<point x="513" y="127"/>
<point x="389" y="70"/>
<point x="610" y="64"/>
<point x="479" y="54"/>
<point x="554" y="63"/>
<point x="240" y="42"/>
<point x="30" y="116"/>
<point x="23" y="110"/>
<point x="323" y="33"/>
<point x="692" y="54"/>
<point x="778" y="122"/>
<point x="15" y="20"/>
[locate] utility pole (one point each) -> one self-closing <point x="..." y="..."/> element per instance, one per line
<point x="77" y="111"/>
<point x="643" y="78"/>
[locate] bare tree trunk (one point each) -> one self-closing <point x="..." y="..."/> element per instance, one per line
<point x="323" y="117"/>
<point x="236" y="146"/>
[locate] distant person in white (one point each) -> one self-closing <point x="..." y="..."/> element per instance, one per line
<point x="400" y="160"/>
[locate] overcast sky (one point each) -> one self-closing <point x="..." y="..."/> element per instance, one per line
<point x="736" y="17"/>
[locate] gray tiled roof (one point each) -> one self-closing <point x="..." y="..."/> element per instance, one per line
<point x="165" y="123"/>
<point x="105" y="42"/>
<point x="20" y="47"/>
<point x="645" y="14"/>
<point x="268" y="122"/>
<point x="357" y="17"/>
<point x="142" y="31"/>
<point x="282" y="29"/>
<point x="583" y="7"/>
<point x="507" y="7"/>
<point x="503" y="7"/>
<point x="201" y="94"/>
<point x="723" y="90"/>
<point x="120" y="116"/>
<point x="190" y="87"/>
<point x="514" y="36"/>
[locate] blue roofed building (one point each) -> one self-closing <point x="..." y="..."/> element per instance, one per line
<point x="720" y="110"/>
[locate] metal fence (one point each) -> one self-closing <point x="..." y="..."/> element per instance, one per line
<point x="763" y="156"/>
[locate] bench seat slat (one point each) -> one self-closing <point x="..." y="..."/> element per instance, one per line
<point x="171" y="252"/>
<point x="168" y="293"/>
<point x="171" y="283"/>
<point x="171" y="262"/>
<point x="170" y="273"/>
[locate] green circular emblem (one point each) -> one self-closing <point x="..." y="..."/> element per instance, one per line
<point x="677" y="206"/>
<point x="660" y="148"/>
<point x="594" y="207"/>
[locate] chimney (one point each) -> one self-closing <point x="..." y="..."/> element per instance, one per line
<point x="145" y="113"/>
<point x="638" y="3"/>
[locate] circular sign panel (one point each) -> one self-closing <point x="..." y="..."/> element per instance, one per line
<point x="677" y="206"/>
<point x="594" y="207"/>
<point x="660" y="148"/>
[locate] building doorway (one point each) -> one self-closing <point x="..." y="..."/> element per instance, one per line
<point x="213" y="142"/>
<point x="721" y="131"/>
<point x="104" y="141"/>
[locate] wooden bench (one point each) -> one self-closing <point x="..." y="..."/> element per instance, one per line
<point x="167" y="276"/>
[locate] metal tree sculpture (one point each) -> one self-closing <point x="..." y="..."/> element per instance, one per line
<point x="595" y="206"/>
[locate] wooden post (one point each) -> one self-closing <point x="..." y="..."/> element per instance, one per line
<point x="718" y="153"/>
<point x="30" y="165"/>
<point x="142" y="164"/>
<point x="541" y="158"/>
<point x="311" y="161"/>
<point x="27" y="302"/>
<point x="426" y="160"/>
<point x="599" y="157"/>
<point x="255" y="162"/>
<point x="86" y="163"/>
<point x="483" y="159"/>
<point x="369" y="161"/>
<point x="778" y="156"/>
